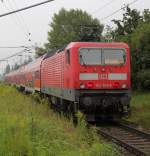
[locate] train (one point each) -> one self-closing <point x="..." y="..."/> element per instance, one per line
<point x="91" y="77"/>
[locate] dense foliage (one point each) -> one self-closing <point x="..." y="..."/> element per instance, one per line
<point x="140" y="48"/>
<point x="73" y="25"/>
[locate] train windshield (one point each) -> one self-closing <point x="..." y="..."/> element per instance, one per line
<point x="90" y="56"/>
<point x="97" y="56"/>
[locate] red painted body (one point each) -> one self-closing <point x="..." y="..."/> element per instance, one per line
<point x="56" y="72"/>
<point x="52" y="71"/>
<point x="28" y="76"/>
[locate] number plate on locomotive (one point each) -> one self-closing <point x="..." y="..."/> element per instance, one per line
<point x="103" y="76"/>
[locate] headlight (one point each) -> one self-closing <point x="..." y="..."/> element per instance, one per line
<point x="123" y="86"/>
<point x="82" y="86"/>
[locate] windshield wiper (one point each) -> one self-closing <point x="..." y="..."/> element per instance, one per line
<point x="82" y="60"/>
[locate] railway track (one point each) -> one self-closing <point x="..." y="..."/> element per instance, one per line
<point x="135" y="141"/>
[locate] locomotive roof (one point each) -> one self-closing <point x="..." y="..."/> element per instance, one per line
<point x="102" y="44"/>
<point x="51" y="52"/>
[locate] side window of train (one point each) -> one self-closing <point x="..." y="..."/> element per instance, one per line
<point x="68" y="56"/>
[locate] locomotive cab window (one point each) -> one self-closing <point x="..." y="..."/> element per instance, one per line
<point x="68" y="56"/>
<point x="113" y="57"/>
<point x="90" y="56"/>
<point x="98" y="56"/>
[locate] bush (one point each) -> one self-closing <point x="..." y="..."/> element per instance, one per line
<point x="140" y="106"/>
<point x="144" y="79"/>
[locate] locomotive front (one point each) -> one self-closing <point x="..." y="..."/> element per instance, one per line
<point x="102" y="79"/>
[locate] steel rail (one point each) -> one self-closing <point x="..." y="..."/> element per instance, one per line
<point x="134" y="140"/>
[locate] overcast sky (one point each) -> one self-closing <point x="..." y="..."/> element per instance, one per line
<point x="14" y="28"/>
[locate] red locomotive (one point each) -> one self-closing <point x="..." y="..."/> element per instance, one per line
<point x="87" y="76"/>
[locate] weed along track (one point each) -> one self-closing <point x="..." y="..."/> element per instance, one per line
<point x="135" y="141"/>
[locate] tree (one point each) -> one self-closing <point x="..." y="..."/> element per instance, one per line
<point x="140" y="43"/>
<point x="126" y="26"/>
<point x="140" y="40"/>
<point x="73" y="25"/>
<point x="28" y="60"/>
<point x="16" y="66"/>
<point x="7" y="70"/>
<point x="132" y="18"/>
<point x="146" y="16"/>
<point x="108" y="34"/>
<point x="40" y="51"/>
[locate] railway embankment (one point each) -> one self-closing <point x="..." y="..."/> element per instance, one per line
<point x="28" y="127"/>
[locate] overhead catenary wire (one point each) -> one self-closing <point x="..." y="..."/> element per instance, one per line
<point x="28" y="34"/>
<point x="25" y="8"/>
<point x="11" y="47"/>
<point x="12" y="55"/>
<point x="20" y="15"/>
<point x="18" y="18"/>
<point x="104" y="18"/>
<point x="104" y="6"/>
<point x="15" y="54"/>
<point x="22" y="20"/>
<point x="14" y="19"/>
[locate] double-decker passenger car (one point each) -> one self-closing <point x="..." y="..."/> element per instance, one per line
<point x="88" y="76"/>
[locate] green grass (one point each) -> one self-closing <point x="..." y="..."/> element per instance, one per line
<point x="140" y="105"/>
<point x="29" y="128"/>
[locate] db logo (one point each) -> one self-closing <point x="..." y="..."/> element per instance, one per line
<point x="103" y="76"/>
